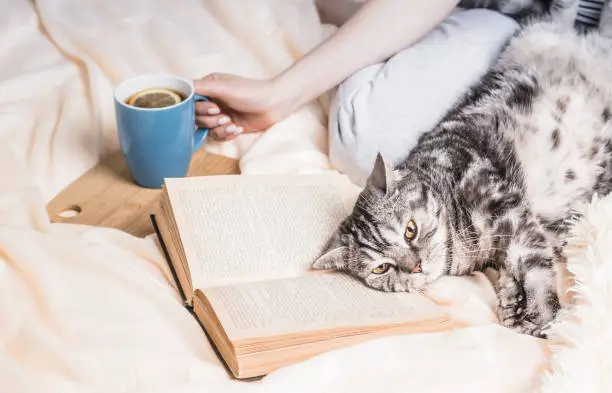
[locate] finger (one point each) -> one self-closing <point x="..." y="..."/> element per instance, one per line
<point x="204" y="108"/>
<point x="227" y="138"/>
<point x="233" y="129"/>
<point x="212" y="121"/>
<point x="212" y="85"/>
<point x="219" y="133"/>
<point x="226" y="133"/>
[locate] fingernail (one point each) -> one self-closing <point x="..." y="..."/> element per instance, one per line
<point x="232" y="129"/>
<point x="213" y="111"/>
<point x="223" y="120"/>
<point x="239" y="130"/>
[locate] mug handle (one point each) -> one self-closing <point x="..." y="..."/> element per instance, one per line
<point x="200" y="133"/>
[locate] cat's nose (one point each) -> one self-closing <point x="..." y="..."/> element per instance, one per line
<point x="417" y="268"/>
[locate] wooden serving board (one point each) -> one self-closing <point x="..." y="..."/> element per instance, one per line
<point x="106" y="196"/>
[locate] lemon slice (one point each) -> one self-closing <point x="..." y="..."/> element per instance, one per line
<point x="154" y="98"/>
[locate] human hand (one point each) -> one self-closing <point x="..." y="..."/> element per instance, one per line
<point x="238" y="105"/>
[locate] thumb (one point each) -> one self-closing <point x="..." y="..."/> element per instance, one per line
<point x="212" y="85"/>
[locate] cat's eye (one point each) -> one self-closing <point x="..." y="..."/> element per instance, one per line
<point x="382" y="268"/>
<point x="411" y="230"/>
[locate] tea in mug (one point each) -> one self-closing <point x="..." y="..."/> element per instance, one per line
<point x="157" y="97"/>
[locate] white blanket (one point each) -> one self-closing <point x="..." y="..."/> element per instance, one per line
<point x="87" y="309"/>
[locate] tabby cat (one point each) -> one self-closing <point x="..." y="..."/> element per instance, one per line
<point x="495" y="182"/>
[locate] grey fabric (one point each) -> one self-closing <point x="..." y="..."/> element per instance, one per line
<point x="589" y="12"/>
<point x="386" y="107"/>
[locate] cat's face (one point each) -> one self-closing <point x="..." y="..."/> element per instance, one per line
<point x="396" y="237"/>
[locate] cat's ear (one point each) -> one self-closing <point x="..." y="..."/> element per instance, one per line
<point x="380" y="177"/>
<point x="331" y="258"/>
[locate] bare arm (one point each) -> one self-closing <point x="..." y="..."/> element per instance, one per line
<point x="379" y="29"/>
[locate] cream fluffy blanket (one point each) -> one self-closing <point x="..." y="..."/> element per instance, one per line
<point x="87" y="309"/>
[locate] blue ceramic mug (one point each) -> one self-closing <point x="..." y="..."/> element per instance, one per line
<point x="157" y="143"/>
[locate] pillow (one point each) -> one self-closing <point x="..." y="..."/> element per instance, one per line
<point x="386" y="107"/>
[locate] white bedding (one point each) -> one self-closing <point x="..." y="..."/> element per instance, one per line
<point x="86" y="309"/>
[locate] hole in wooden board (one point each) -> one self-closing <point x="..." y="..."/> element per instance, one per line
<point x="70" y="212"/>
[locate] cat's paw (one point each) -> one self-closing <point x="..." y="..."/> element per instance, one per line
<point x="512" y="307"/>
<point x="531" y="328"/>
<point x="512" y="312"/>
<point x="510" y="299"/>
<point x="416" y="283"/>
<point x="513" y="316"/>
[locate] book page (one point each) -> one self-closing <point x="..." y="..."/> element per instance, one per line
<point x="312" y="302"/>
<point x="253" y="227"/>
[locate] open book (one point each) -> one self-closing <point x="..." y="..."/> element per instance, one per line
<point x="241" y="248"/>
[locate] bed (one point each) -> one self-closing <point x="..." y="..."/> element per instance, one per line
<point x="88" y="309"/>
